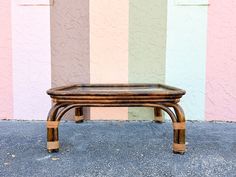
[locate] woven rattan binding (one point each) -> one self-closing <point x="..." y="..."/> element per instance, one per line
<point x="53" y="145"/>
<point x="52" y="124"/>
<point x="179" y="147"/>
<point x="179" y="125"/>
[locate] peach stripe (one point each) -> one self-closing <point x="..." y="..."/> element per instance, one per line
<point x="109" y="49"/>
<point x="221" y="61"/>
<point x="6" y="95"/>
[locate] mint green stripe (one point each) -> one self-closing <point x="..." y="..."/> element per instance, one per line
<point x="147" y="47"/>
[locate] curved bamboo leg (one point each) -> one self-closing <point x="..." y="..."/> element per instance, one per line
<point x="162" y="107"/>
<point x="52" y="129"/>
<point x="177" y="119"/>
<point x="79" y="115"/>
<point x="158" y="116"/>
<point x="179" y="127"/>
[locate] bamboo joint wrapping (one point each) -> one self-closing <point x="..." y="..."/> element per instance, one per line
<point x="52" y="124"/>
<point x="53" y="145"/>
<point x="179" y="147"/>
<point x="179" y="125"/>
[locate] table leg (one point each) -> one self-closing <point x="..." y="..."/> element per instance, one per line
<point x="179" y="131"/>
<point x="79" y="115"/>
<point x="52" y="128"/>
<point x="158" y="116"/>
<point x="52" y="137"/>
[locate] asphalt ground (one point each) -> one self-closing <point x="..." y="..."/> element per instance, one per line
<point x="117" y="149"/>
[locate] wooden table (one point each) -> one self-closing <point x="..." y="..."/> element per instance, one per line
<point x="160" y="97"/>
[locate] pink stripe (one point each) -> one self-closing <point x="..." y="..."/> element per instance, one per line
<point x="221" y="61"/>
<point x="6" y="97"/>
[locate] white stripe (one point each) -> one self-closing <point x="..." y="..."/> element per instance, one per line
<point x="31" y="61"/>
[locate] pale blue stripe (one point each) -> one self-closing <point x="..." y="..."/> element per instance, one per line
<point x="186" y="55"/>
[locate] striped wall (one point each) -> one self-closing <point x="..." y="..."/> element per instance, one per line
<point x="186" y="54"/>
<point x="221" y="61"/>
<point x="70" y="61"/>
<point x="185" y="43"/>
<point x="6" y="91"/>
<point x="147" y="46"/>
<point x="109" y="49"/>
<point x="31" y="60"/>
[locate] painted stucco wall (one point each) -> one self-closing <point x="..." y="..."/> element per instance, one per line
<point x="31" y="58"/>
<point x="147" y="46"/>
<point x="185" y="43"/>
<point x="70" y="44"/>
<point x="109" y="49"/>
<point x="221" y="61"/>
<point x="186" y="54"/>
<point x="6" y="92"/>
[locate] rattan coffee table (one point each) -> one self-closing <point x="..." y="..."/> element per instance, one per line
<point x="160" y="97"/>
